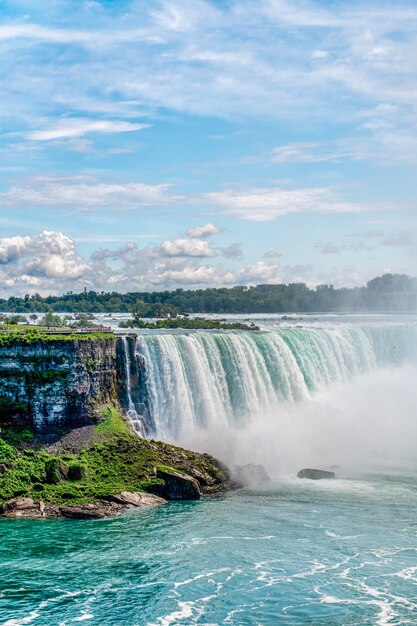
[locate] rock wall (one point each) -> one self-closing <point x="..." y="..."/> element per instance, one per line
<point x="58" y="382"/>
<point x="131" y="375"/>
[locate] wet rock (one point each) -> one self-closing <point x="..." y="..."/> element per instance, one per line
<point x="315" y="474"/>
<point x="178" y="486"/>
<point x="252" y="475"/>
<point x="137" y="498"/>
<point x="88" y="511"/>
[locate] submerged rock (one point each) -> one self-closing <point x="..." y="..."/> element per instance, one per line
<point x="315" y="474"/>
<point x="252" y="475"/>
<point x="178" y="486"/>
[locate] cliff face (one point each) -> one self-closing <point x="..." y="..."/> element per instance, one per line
<point x="56" y="383"/>
<point x="130" y="383"/>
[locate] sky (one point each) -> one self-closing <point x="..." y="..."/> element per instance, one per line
<point x="194" y="143"/>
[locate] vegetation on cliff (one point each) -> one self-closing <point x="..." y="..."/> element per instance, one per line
<point x="26" y="335"/>
<point x="188" y="323"/>
<point x="106" y="461"/>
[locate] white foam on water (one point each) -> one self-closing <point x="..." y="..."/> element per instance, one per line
<point x="21" y="621"/>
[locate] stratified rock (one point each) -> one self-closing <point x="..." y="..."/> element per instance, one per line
<point x="252" y="476"/>
<point x="178" y="486"/>
<point x="315" y="474"/>
<point x="87" y="511"/>
<point x="137" y="498"/>
<point x="18" y="504"/>
<point x="20" y="507"/>
<point x="59" y="382"/>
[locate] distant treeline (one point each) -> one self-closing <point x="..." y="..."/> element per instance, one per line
<point x="390" y="292"/>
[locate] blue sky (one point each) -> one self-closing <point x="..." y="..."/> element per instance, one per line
<point x="189" y="143"/>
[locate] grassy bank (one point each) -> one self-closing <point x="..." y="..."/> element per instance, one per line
<point x="24" y="335"/>
<point x="187" y="323"/>
<point x="111" y="461"/>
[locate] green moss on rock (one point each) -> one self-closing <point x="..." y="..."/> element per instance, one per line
<point x="112" y="461"/>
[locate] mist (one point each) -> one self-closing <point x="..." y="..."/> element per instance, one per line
<point x="368" y="423"/>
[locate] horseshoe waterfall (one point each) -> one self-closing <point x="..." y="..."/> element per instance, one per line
<point x="181" y="383"/>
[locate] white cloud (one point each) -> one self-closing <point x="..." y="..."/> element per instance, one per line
<point x="82" y="193"/>
<point x="205" y="230"/>
<point x="271" y="254"/>
<point x="268" y="203"/>
<point x="91" y="37"/>
<point x="50" y="264"/>
<point x="77" y="127"/>
<point x="11" y="248"/>
<point x="50" y="255"/>
<point x="187" y="247"/>
<point x="306" y="152"/>
<point x="230" y="60"/>
<point x="85" y="193"/>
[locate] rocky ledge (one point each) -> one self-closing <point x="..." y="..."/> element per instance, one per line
<point x="98" y="471"/>
<point x="27" y="507"/>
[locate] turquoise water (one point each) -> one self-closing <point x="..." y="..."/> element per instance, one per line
<point x="329" y="552"/>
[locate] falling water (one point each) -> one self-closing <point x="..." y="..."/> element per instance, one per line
<point x="203" y="380"/>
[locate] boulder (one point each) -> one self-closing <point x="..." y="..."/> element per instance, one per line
<point x="315" y="474"/>
<point x="137" y="498"/>
<point x="20" y="507"/>
<point x="87" y="511"/>
<point x="178" y="486"/>
<point x="252" y="476"/>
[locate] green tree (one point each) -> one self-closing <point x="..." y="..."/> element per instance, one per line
<point x="50" y="320"/>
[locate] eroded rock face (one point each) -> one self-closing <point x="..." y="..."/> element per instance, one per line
<point x="179" y="486"/>
<point x="315" y="474"/>
<point x="56" y="383"/>
<point x="252" y="476"/>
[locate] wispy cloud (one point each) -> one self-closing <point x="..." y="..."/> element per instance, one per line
<point x="307" y="152"/>
<point x="261" y="204"/>
<point x="264" y="204"/>
<point x="232" y="60"/>
<point x="78" y="127"/>
<point x="81" y="193"/>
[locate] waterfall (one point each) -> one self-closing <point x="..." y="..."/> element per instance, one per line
<point x="216" y="379"/>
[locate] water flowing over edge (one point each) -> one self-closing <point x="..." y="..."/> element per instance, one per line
<point x="177" y="383"/>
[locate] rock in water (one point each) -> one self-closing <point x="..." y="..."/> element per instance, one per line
<point x="315" y="474"/>
<point x="178" y="486"/>
<point x="137" y="498"/>
<point x="87" y="511"/>
<point x="251" y="475"/>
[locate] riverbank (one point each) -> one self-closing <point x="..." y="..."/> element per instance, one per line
<point x="43" y="477"/>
